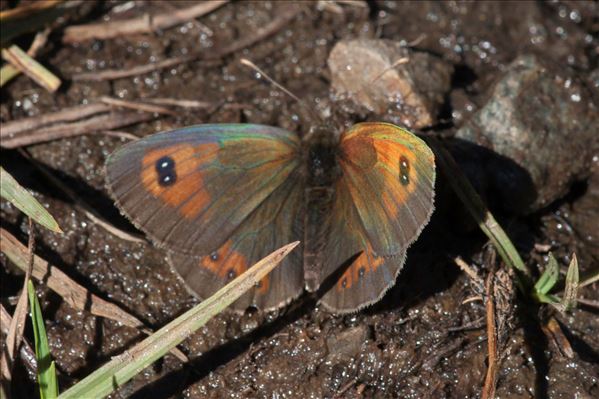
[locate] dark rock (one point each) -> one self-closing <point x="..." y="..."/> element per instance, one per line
<point x="544" y="120"/>
<point x="388" y="78"/>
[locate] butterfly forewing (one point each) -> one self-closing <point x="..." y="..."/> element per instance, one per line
<point x="190" y="189"/>
<point x="390" y="176"/>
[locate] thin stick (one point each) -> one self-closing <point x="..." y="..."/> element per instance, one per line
<point x="138" y="106"/>
<point x="145" y="24"/>
<point x="17" y="326"/>
<point x="250" y="64"/>
<point x="491" y="377"/>
<point x="111" y="74"/>
<point x="403" y="60"/>
<point x="27" y="353"/>
<point x="12" y="128"/>
<point x="108" y="121"/>
<point x="466" y="268"/>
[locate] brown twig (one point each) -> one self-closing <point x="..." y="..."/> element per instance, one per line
<point x="12" y="128"/>
<point x="271" y="28"/>
<point x="491" y="377"/>
<point x="17" y="325"/>
<point x="98" y="123"/>
<point x="145" y="24"/>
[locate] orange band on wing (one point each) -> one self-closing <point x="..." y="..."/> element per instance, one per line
<point x="188" y="186"/>
<point x="225" y="262"/>
<point x="366" y="263"/>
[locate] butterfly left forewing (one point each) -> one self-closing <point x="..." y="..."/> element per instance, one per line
<point x="189" y="189"/>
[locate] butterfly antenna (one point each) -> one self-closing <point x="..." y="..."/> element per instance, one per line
<point x="264" y="75"/>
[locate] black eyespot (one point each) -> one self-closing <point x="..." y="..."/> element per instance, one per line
<point x="259" y="284"/>
<point x="361" y="272"/>
<point x="231" y="274"/>
<point x="344" y="283"/>
<point x="214" y="256"/>
<point x="404" y="171"/>
<point x="165" y="168"/>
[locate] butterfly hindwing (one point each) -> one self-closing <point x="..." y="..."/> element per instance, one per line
<point x="190" y="189"/>
<point x="276" y="222"/>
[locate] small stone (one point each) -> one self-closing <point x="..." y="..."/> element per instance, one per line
<point x="544" y="120"/>
<point x="390" y="79"/>
<point x="349" y="342"/>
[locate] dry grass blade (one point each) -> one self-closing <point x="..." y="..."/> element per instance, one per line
<point x="17" y="326"/>
<point x="30" y="67"/>
<point x="71" y="292"/>
<point x="8" y="72"/>
<point x="145" y="24"/>
<point x="491" y="376"/>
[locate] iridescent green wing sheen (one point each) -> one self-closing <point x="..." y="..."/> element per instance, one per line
<point x="190" y="189"/>
<point x="382" y="202"/>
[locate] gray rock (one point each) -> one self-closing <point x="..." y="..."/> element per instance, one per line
<point x="542" y="118"/>
<point x="387" y="78"/>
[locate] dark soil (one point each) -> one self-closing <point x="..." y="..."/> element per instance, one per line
<point x="427" y="337"/>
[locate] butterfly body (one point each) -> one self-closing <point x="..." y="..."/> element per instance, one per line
<point x="221" y="197"/>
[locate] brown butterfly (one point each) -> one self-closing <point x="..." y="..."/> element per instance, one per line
<point x="220" y="197"/>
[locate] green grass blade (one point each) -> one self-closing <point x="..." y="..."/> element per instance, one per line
<point x="123" y="367"/>
<point x="571" y="291"/>
<point x="46" y="371"/>
<point x="549" y="277"/>
<point x="22" y="199"/>
<point x="485" y="219"/>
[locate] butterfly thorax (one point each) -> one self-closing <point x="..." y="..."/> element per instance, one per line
<point x="322" y="171"/>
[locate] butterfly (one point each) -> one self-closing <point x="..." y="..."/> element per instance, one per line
<point x="220" y="197"/>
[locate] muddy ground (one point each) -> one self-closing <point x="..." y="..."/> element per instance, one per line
<point x="427" y="337"/>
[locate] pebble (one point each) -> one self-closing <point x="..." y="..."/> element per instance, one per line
<point x="390" y="79"/>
